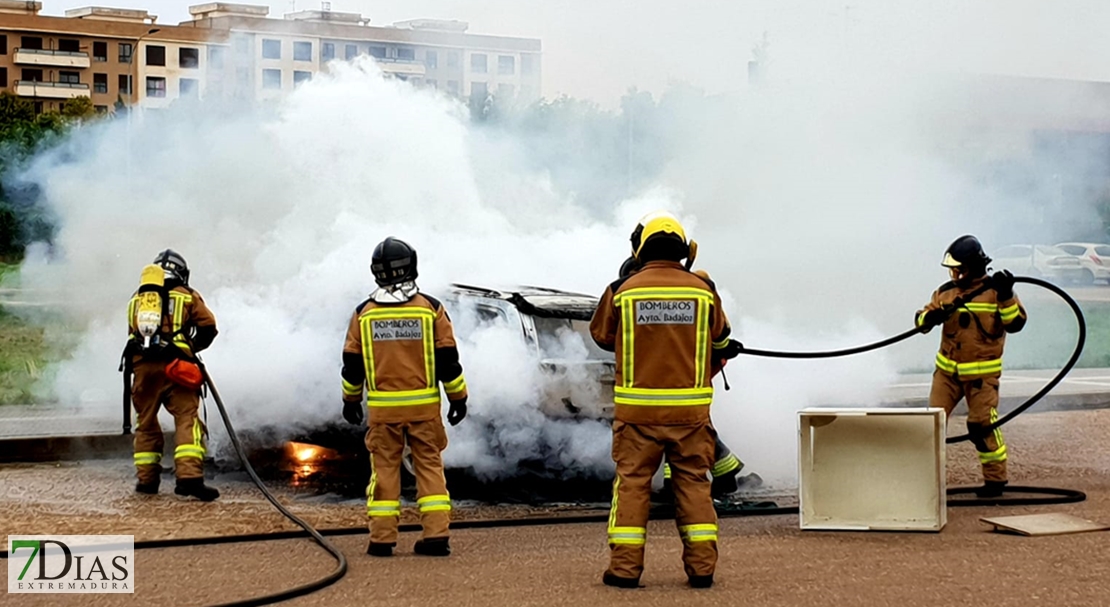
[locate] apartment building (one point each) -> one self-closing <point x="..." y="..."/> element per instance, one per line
<point x="122" y="56"/>
<point x="109" y="55"/>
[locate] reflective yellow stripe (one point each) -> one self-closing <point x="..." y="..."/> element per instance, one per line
<point x="997" y="431"/>
<point x="726" y="464"/>
<point x="990" y="457"/>
<point x="921" y="318"/>
<point x="184" y="451"/>
<point x="383" y="508"/>
<point x="717" y="345"/>
<point x="613" y="507"/>
<point x="1009" y="313"/>
<point x="179" y="300"/>
<point x="989" y="308"/>
<point x="402" y="398"/>
<point x="984" y="367"/>
<point x="663" y="397"/>
<point x="350" y="389"/>
<point x="628" y="345"/>
<point x="434" y="503"/>
<point x="455" y="386"/>
<point x="666" y="471"/>
<point x="703" y="343"/>
<point x="628" y="536"/>
<point x="146" y="458"/>
<point x="698" y="533"/>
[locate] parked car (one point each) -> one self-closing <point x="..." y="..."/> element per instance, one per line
<point x="1094" y="257"/>
<point x="1044" y="261"/>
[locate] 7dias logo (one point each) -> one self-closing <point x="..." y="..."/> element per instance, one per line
<point x="73" y="564"/>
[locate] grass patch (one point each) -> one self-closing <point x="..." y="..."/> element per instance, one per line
<point x="23" y="358"/>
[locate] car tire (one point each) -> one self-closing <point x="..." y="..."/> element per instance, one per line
<point x="1087" y="278"/>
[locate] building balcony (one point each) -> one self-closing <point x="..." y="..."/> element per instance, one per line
<point x="401" y="67"/>
<point x="50" y="90"/>
<point x="27" y="56"/>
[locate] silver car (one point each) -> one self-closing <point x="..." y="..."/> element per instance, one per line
<point x="1094" y="257"/>
<point x="1051" y="263"/>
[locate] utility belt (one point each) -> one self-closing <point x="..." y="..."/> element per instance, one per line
<point x="968" y="370"/>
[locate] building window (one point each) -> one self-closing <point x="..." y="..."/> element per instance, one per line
<point x="100" y="51"/>
<point x="100" y="83"/>
<point x="125" y="52"/>
<point x="377" y="52"/>
<point x="505" y="91"/>
<point x="479" y="90"/>
<point x="302" y="51"/>
<point x="3" y="77"/>
<point x="453" y="87"/>
<point x="478" y="63"/>
<point x="156" y="55"/>
<point x="406" y="54"/>
<point x="271" y="79"/>
<point x="190" y="87"/>
<point x="271" y="49"/>
<point x="101" y="109"/>
<point x="350" y="52"/>
<point x="431" y="59"/>
<point x="527" y="65"/>
<point x="69" y="46"/>
<point x="242" y="46"/>
<point x="188" y="57"/>
<point x="300" y="77"/>
<point x="32" y="75"/>
<point x="69" y="77"/>
<point x="452" y="59"/>
<point x="328" y="51"/>
<point x="124" y="84"/>
<point x="506" y="65"/>
<point x="3" y="44"/>
<point x="33" y="43"/>
<point x="155" y="86"/>
<point x="217" y="56"/>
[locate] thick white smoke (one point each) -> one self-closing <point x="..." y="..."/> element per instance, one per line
<point x="821" y="213"/>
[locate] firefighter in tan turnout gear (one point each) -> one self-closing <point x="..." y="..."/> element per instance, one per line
<point x="400" y="346"/>
<point x="668" y="331"/>
<point x="975" y="312"/>
<point x="168" y="323"/>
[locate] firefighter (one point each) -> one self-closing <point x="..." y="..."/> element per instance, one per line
<point x="400" y="346"/>
<point x="168" y="324"/>
<point x="666" y="328"/>
<point x="975" y="311"/>
<point x="726" y="466"/>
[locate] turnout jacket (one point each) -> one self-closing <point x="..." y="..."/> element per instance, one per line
<point x="663" y="323"/>
<point x="401" y="353"/>
<point x="974" y="336"/>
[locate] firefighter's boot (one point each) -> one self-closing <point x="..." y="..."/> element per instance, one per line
<point x="150" y="488"/>
<point x="617" y="581"/>
<point x="195" y="487"/>
<point x="725" y="484"/>
<point x="433" y="546"/>
<point x="380" y="549"/>
<point x="991" y="489"/>
<point x="701" y="581"/>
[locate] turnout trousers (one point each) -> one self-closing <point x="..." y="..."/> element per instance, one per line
<point x="982" y="410"/>
<point x="386" y="443"/>
<point x="638" y="449"/>
<point x="150" y="389"/>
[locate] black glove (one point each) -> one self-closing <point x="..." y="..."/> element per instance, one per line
<point x="1003" y="283"/>
<point x="731" y="350"/>
<point x="352" y="412"/>
<point x="935" y="317"/>
<point x="457" y="411"/>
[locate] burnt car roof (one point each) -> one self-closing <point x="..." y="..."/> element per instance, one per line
<point x="538" y="301"/>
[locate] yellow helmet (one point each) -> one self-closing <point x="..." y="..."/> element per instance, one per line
<point x="661" y="222"/>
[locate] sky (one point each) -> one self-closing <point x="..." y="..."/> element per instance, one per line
<point x="598" y="49"/>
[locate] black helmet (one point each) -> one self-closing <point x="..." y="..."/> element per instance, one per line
<point x="172" y="262"/>
<point x="393" y="262"/>
<point x="629" y="266"/>
<point x="966" y="254"/>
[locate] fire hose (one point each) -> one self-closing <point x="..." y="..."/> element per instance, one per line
<point x="1080" y="342"/>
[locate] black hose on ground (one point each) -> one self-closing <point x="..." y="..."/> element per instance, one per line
<point x="341" y="560"/>
<point x="1056" y="496"/>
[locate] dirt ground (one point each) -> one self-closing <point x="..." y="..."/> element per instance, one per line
<point x="764" y="560"/>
